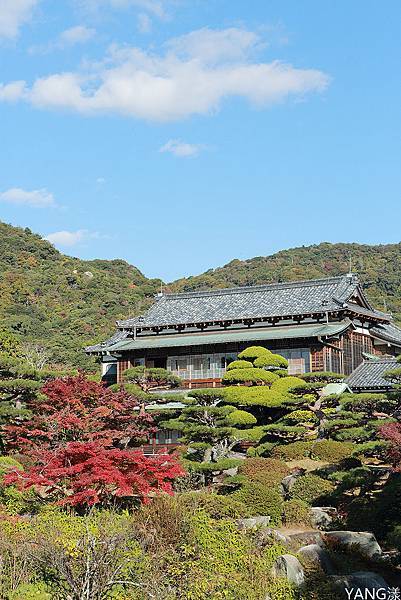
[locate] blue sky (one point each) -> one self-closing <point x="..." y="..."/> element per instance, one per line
<point x="180" y="134"/>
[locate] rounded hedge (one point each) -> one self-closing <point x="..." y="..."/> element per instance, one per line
<point x="254" y="376"/>
<point x="296" y="512"/>
<point x="253" y="352"/>
<point x="331" y="451"/>
<point x="268" y="471"/>
<point x="239" y="364"/>
<point x="293" y="451"/>
<point x="238" y="418"/>
<point x="271" y="361"/>
<point x="261" y="500"/>
<point x="284" y="384"/>
<point x="217" y="506"/>
<point x="311" y="489"/>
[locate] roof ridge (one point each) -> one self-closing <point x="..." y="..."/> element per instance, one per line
<point x="253" y="288"/>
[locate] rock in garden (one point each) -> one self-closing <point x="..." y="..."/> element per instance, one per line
<point x="319" y="557"/>
<point x="253" y="522"/>
<point x="288" y="566"/>
<point x="363" y="580"/>
<point x="288" y="482"/>
<point x="322" y="516"/>
<point x="364" y="542"/>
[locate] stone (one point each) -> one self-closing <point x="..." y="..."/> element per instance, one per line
<point x="362" y="541"/>
<point x="321" y="517"/>
<point x="265" y="536"/>
<point x="253" y="522"/>
<point x="288" y="482"/>
<point x="360" y="580"/>
<point x="231" y="472"/>
<point x="304" y="538"/>
<point x="289" y="567"/>
<point x="319" y="557"/>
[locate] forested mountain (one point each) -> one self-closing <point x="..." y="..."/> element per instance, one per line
<point x="65" y="303"/>
<point x="60" y="302"/>
<point x="378" y="267"/>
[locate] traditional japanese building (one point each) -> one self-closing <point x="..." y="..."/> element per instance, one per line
<point x="322" y="324"/>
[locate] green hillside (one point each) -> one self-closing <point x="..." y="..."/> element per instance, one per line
<point x="379" y="268"/>
<point x="65" y="303"/>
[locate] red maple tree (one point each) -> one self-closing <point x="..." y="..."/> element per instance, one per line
<point x="392" y="433"/>
<point x="82" y="440"/>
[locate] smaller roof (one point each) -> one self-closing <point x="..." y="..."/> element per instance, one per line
<point x="388" y="332"/>
<point x="103" y="346"/>
<point x="369" y="376"/>
<point x="223" y="337"/>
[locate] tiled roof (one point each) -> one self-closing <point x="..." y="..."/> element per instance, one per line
<point x="223" y="337"/>
<point x="388" y="332"/>
<point x="117" y="337"/>
<point x="370" y="375"/>
<point x="272" y="300"/>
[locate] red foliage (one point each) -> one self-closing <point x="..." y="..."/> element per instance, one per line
<point x="75" y="409"/>
<point x="87" y="473"/>
<point x="392" y="433"/>
<point x="80" y="441"/>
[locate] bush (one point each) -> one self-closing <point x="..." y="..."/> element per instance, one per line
<point x="261" y="500"/>
<point x="331" y="451"/>
<point x="268" y="471"/>
<point x="253" y="352"/>
<point x="284" y="384"/>
<point x="394" y="538"/>
<point x="296" y="512"/>
<point x="271" y="361"/>
<point x="255" y="376"/>
<point x="311" y="489"/>
<point x="293" y="451"/>
<point x="241" y="418"/>
<point x="216" y="506"/>
<point x="253" y="434"/>
<point x="253" y="396"/>
<point x="239" y="364"/>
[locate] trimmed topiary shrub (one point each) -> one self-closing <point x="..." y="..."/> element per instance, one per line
<point x="312" y="489"/>
<point x="296" y="512"/>
<point x="293" y="451"/>
<point x="284" y="384"/>
<point x="268" y="471"/>
<point x="253" y="352"/>
<point x="216" y="506"/>
<point x="253" y="396"/>
<point x="241" y="418"/>
<point x="239" y="364"/>
<point x="261" y="500"/>
<point x="253" y="376"/>
<point x="271" y="361"/>
<point x="331" y="451"/>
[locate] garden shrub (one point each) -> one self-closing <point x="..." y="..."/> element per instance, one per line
<point x="271" y="361"/>
<point x="241" y="418"/>
<point x="239" y="364"/>
<point x="293" y="451"/>
<point x="253" y="352"/>
<point x="296" y="512"/>
<point x="254" y="376"/>
<point x="331" y="450"/>
<point x="261" y="500"/>
<point x="253" y="396"/>
<point x="268" y="471"/>
<point x="215" y="505"/>
<point x="311" y="489"/>
<point x="284" y="384"/>
<point x="263" y="449"/>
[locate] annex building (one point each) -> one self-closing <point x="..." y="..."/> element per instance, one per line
<point x="318" y="325"/>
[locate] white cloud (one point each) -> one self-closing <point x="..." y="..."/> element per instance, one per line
<point x="13" y="14"/>
<point x="195" y="75"/>
<point x="70" y="238"/>
<point x="76" y="35"/>
<point x="144" y="23"/>
<point x="181" y="149"/>
<point x="100" y="180"/>
<point x="35" y="198"/>
<point x="12" y="91"/>
<point x="155" y="7"/>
